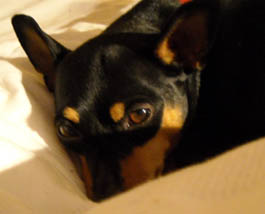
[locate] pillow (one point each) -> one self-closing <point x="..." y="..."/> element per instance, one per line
<point x="230" y="183"/>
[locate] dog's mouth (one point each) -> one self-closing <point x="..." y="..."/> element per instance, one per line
<point x="76" y="160"/>
<point x="103" y="179"/>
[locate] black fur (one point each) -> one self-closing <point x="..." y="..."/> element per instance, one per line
<point x="232" y="93"/>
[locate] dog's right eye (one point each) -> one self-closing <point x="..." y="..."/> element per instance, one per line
<point x="67" y="131"/>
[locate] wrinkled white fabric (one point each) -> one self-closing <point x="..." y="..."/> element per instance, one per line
<point x="231" y="183"/>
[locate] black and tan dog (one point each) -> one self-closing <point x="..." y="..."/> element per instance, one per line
<point x="162" y="75"/>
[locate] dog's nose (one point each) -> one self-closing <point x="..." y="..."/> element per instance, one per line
<point x="102" y="177"/>
<point x="107" y="180"/>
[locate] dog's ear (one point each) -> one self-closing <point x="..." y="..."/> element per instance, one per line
<point x="43" y="51"/>
<point x="188" y="37"/>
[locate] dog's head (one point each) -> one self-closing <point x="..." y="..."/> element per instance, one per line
<point x="122" y="98"/>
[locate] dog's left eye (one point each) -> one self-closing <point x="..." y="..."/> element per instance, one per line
<point x="140" y="115"/>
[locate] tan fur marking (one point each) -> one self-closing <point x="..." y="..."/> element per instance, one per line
<point x="117" y="111"/>
<point x="198" y="66"/>
<point x="86" y="175"/>
<point x="172" y="118"/>
<point x="165" y="53"/>
<point x="147" y="161"/>
<point x="71" y="114"/>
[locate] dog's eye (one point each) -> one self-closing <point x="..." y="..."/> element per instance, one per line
<point x="67" y="131"/>
<point x="140" y="115"/>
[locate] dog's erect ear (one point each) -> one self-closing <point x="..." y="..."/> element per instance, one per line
<point x="43" y="51"/>
<point x="188" y="37"/>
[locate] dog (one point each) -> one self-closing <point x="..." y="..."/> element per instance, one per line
<point x="165" y="86"/>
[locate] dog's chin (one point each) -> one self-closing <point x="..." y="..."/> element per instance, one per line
<point x="75" y="158"/>
<point x="81" y="166"/>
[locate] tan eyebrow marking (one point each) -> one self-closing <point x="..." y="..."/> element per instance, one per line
<point x="71" y="114"/>
<point x="117" y="111"/>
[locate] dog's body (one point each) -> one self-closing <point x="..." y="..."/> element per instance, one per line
<point x="162" y="75"/>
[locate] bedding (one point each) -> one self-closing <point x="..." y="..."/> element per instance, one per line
<point x="36" y="174"/>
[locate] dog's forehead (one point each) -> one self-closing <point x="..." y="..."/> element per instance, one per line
<point x="109" y="71"/>
<point x="107" y="59"/>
